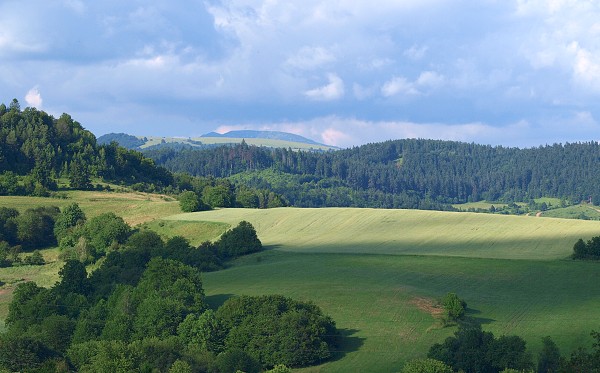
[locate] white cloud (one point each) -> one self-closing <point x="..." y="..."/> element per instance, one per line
<point x="430" y="79"/>
<point x="334" y="90"/>
<point x="586" y="69"/>
<point x="398" y="85"/>
<point x="308" y="58"/>
<point x="415" y="52"/>
<point x="34" y="98"/>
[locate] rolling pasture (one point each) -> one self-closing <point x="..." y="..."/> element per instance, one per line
<point x="378" y="273"/>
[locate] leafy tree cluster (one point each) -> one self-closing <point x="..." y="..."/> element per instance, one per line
<point x="31" y="230"/>
<point x="203" y="193"/>
<point x="473" y="350"/>
<point x="589" y="250"/>
<point x="438" y="172"/>
<point x="36" y="149"/>
<point x="144" y="310"/>
<point x="454" y="307"/>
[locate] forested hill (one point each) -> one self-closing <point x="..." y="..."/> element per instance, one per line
<point x="403" y="173"/>
<point x="36" y="149"/>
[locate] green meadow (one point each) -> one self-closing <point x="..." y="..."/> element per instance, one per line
<point x="379" y="273"/>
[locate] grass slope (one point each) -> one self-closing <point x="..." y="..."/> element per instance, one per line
<point x="134" y="207"/>
<point x="414" y="232"/>
<point x="378" y="273"/>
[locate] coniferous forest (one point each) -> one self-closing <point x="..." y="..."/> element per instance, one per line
<point x="410" y="173"/>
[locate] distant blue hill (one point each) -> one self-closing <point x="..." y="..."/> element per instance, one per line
<point x="272" y="135"/>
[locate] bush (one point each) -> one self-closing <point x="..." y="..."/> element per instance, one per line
<point x="189" y="201"/>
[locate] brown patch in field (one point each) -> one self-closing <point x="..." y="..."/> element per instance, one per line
<point x="538" y="214"/>
<point x="427" y="305"/>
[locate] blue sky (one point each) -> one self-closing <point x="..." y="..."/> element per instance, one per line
<point x="346" y="72"/>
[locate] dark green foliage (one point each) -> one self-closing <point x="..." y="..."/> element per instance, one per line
<point x="8" y="225"/>
<point x="582" y="360"/>
<point x="238" y="241"/>
<point x="143" y="310"/>
<point x="69" y="218"/>
<point x="189" y="201"/>
<point x="204" y="330"/>
<point x="35" y="259"/>
<point x="237" y="360"/>
<point x="35" y="227"/>
<point x="587" y="250"/>
<point x="144" y="239"/>
<point x="275" y="329"/>
<point x="406" y="173"/>
<point x="454" y="307"/>
<point x="218" y="196"/>
<point x="426" y="366"/>
<point x="36" y="148"/>
<point x="106" y="230"/>
<point x="73" y="279"/>
<point x="125" y="140"/>
<point x="549" y="357"/>
<point x="21" y="353"/>
<point x="473" y="350"/>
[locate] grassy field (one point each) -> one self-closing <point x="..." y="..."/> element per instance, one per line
<point x="379" y="273"/>
<point x="195" y="231"/>
<point x="412" y="232"/>
<point x="135" y="207"/>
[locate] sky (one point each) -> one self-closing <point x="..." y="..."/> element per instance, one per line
<point x="342" y="72"/>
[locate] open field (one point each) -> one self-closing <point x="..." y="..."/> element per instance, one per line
<point x="134" y="207"/>
<point x="195" y="231"/>
<point x="414" y="232"/>
<point x="379" y="273"/>
<point x="383" y="303"/>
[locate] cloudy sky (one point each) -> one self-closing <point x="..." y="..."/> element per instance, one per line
<point x="344" y="72"/>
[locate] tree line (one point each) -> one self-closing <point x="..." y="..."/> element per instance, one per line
<point x="143" y="308"/>
<point x="402" y="173"/>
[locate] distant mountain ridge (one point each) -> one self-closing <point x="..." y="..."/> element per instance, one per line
<point x="271" y="139"/>
<point x="272" y="135"/>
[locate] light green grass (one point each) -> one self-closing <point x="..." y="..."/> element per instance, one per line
<point x="484" y="205"/>
<point x="401" y="232"/>
<point x="575" y="212"/>
<point x="134" y="207"/>
<point x="377" y="300"/>
<point x="376" y="271"/>
<point x="195" y="231"/>
<point x="270" y="143"/>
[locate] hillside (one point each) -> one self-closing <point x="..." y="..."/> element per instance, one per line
<point x="379" y="273"/>
<point x="36" y="150"/>
<point x="409" y="173"/>
<point x="269" y="139"/>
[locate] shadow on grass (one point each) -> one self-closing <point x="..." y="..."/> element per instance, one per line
<point x="471" y="318"/>
<point x="347" y="343"/>
<point x="217" y="300"/>
<point x="271" y="247"/>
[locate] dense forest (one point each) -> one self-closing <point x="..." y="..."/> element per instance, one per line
<point x="143" y="308"/>
<point x="37" y="150"/>
<point x="402" y="173"/>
